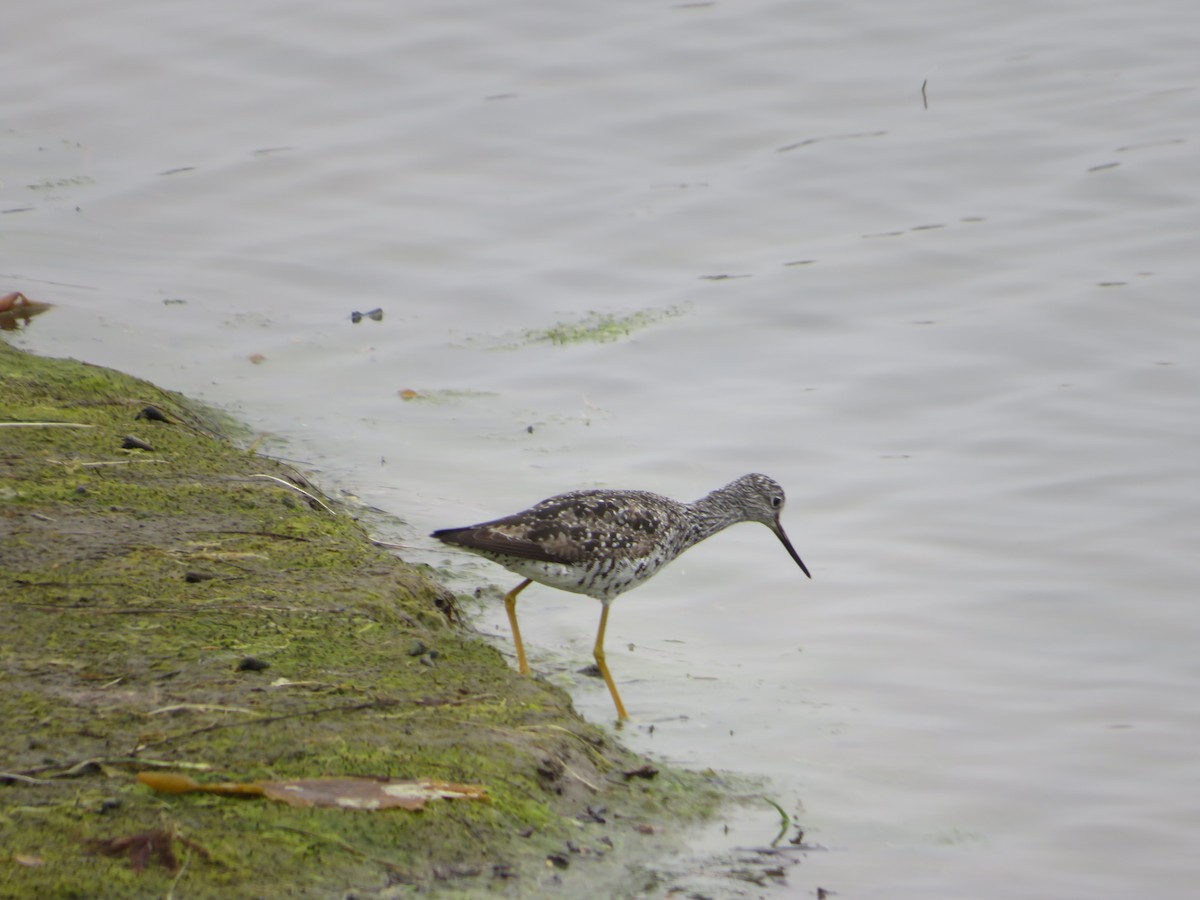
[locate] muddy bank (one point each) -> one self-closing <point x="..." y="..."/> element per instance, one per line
<point x="172" y="602"/>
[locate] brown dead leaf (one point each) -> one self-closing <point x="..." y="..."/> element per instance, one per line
<point x="409" y="394"/>
<point x="342" y="793"/>
<point x="368" y="793"/>
<point x="8" y="301"/>
<point x="16" y="308"/>
<point x="141" y="848"/>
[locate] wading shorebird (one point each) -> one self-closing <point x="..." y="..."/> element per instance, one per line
<point x="603" y="543"/>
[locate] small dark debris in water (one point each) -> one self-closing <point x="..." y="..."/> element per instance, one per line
<point x="927" y="227"/>
<point x="197" y="577"/>
<point x="135" y="443"/>
<point x="646" y="771"/>
<point x="17" y="209"/>
<point x="800" y="262"/>
<point x="924" y="321"/>
<point x="594" y="815"/>
<point x="1111" y="283"/>
<point x="173" y="301"/>
<point x="375" y="315"/>
<point x="508" y="96"/>
<point x="558" y="860"/>
<point x="153" y="414"/>
<point x="529" y="429"/>
<point x="822" y="893"/>
<point x="178" y="170"/>
<point x="257" y="359"/>
<point x="592" y="671"/>
<point x="925" y="96"/>
<point x="750" y="876"/>
<point x="252" y="664"/>
<point x="1101" y="168"/>
<point x="798" y="840"/>
<point x="722" y="277"/>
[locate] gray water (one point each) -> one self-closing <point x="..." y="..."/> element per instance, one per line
<point x="957" y="324"/>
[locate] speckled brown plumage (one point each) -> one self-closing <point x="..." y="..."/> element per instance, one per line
<point x="604" y="542"/>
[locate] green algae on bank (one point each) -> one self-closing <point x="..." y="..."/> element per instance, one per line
<point x="169" y="609"/>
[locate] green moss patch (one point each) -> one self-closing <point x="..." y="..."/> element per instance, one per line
<point x="170" y="608"/>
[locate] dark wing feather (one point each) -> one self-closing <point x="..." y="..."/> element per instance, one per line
<point x="571" y="529"/>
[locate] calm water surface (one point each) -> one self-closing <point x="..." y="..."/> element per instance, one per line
<point x="961" y="329"/>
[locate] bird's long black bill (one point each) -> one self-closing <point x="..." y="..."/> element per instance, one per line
<point x="783" y="538"/>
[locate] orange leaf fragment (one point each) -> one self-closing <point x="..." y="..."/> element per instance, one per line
<point x="174" y="783"/>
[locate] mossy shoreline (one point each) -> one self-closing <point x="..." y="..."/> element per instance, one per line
<point x="136" y="582"/>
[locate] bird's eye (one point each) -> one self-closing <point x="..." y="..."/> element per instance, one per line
<point x="777" y="501"/>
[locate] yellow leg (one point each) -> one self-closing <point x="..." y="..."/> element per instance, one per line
<point x="510" y="605"/>
<point x="598" y="652"/>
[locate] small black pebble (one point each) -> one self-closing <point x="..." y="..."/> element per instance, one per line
<point x="134" y="443"/>
<point x="153" y="413"/>
<point x="252" y="664"/>
<point x="646" y="771"/>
